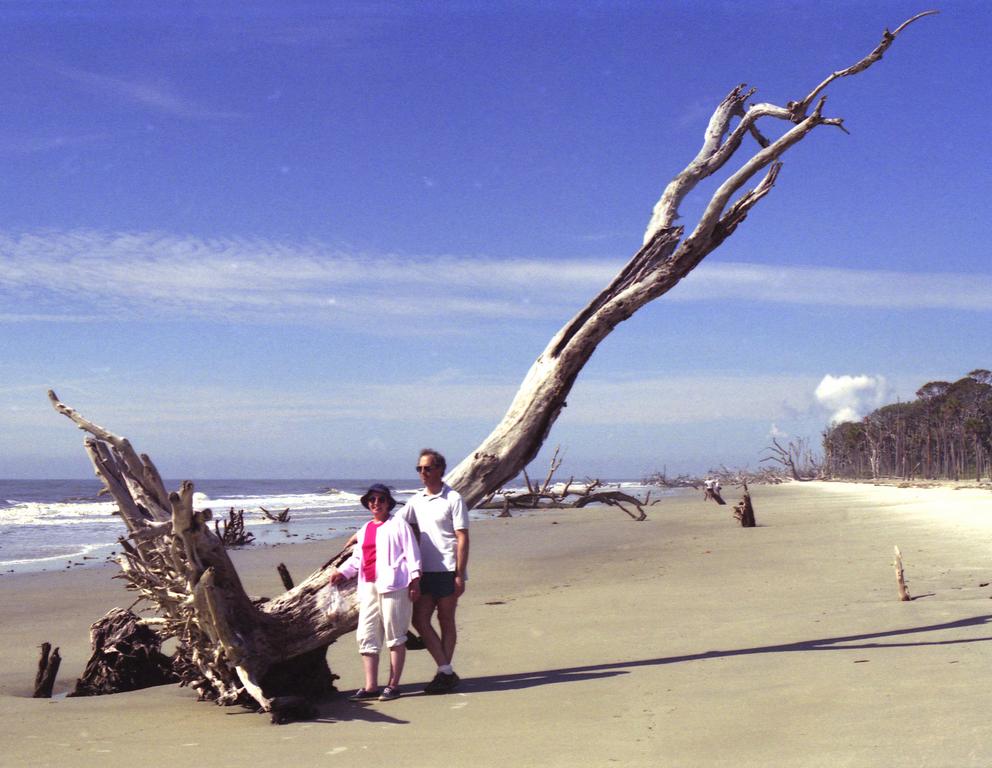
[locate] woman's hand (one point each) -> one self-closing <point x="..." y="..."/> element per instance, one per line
<point x="414" y="590"/>
<point x="336" y="576"/>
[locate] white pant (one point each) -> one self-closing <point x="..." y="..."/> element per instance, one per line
<point x="382" y="615"/>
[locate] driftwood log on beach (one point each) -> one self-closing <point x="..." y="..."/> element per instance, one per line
<point x="48" y="670"/>
<point x="714" y="494"/>
<point x="127" y="656"/>
<point x="900" y="577"/>
<point x="235" y="649"/>
<point x="744" y="510"/>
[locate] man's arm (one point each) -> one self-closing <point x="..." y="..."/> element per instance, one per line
<point x="407" y="513"/>
<point x="461" y="560"/>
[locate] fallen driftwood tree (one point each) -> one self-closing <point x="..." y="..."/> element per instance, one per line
<point x="276" y="517"/>
<point x="231" y="649"/>
<point x="552" y="495"/>
<point x="567" y="496"/>
<point x="236" y="649"/>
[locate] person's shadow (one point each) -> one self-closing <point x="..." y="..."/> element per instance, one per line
<point x="520" y="680"/>
<point x="340" y="708"/>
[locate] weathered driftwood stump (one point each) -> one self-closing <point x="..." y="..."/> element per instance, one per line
<point x="48" y="668"/>
<point x="231" y="648"/>
<point x="900" y="577"/>
<point x="744" y="510"/>
<point x="232" y="532"/>
<point x="127" y="656"/>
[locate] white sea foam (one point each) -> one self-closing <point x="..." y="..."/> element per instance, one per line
<point x="58" y="553"/>
<point x="39" y="534"/>
<point x="61" y="513"/>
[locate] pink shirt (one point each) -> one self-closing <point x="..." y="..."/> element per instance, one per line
<point x="397" y="555"/>
<point x="368" y="551"/>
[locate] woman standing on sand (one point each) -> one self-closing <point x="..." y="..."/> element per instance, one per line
<point x="386" y="560"/>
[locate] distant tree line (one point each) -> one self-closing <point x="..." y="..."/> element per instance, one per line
<point x="946" y="433"/>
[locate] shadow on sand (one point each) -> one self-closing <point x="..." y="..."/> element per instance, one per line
<point x="340" y="709"/>
<point x="517" y="681"/>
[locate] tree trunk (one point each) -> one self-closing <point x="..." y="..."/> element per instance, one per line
<point x="234" y="648"/>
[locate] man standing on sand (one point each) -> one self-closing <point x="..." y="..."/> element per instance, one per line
<point x="438" y="515"/>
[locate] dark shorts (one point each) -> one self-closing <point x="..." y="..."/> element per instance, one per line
<point x="439" y="584"/>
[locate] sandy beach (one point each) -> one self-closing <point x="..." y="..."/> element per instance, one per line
<point x="587" y="639"/>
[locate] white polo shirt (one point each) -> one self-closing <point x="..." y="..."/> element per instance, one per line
<point x="437" y="516"/>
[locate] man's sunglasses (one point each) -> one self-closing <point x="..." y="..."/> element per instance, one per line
<point x="427" y="468"/>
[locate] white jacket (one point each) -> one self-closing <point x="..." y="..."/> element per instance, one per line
<point x="397" y="556"/>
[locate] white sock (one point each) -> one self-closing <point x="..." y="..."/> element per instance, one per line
<point x="445" y="668"/>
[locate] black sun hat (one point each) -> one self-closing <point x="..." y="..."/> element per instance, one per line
<point x="378" y="488"/>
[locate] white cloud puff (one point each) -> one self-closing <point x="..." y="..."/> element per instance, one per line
<point x="849" y="398"/>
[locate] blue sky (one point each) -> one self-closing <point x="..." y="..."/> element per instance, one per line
<point x="295" y="239"/>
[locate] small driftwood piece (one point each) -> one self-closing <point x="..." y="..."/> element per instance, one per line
<point x="48" y="668"/>
<point x="232" y="533"/>
<point x="713" y="493"/>
<point x="127" y="656"/>
<point x="744" y="510"/>
<point x="276" y="517"/>
<point x="287" y="580"/>
<point x="900" y="577"/>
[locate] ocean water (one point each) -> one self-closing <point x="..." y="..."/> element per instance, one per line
<point x="55" y="524"/>
<point x="59" y="524"/>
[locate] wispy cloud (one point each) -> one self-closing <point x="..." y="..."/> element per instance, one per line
<point x="691" y="399"/>
<point x="839" y="287"/>
<point x="653" y="401"/>
<point x="34" y="144"/>
<point x="159" y="96"/>
<point x="75" y="275"/>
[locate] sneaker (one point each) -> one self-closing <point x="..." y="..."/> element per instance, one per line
<point x="442" y="683"/>
<point x="389" y="693"/>
<point x="363" y="694"/>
